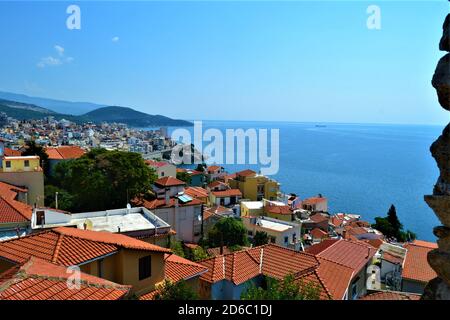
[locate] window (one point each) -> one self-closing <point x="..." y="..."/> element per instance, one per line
<point x="272" y="239"/>
<point x="8" y="164"/>
<point x="40" y="218"/>
<point x="145" y="267"/>
<point x="355" y="288"/>
<point x="250" y="233"/>
<point x="162" y="173"/>
<point x="286" y="240"/>
<point x="26" y="163"/>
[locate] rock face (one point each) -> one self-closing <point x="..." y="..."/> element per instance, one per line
<point x="439" y="259"/>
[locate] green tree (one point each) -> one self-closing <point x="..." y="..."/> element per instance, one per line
<point x="177" y="247"/>
<point x="65" y="200"/>
<point x="198" y="254"/>
<point x="102" y="179"/>
<point x="184" y="176"/>
<point x="228" y="231"/>
<point x="391" y="226"/>
<point x="286" y="289"/>
<point x="260" y="238"/>
<point x="175" y="291"/>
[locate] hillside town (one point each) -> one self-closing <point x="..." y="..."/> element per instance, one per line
<point x="215" y="234"/>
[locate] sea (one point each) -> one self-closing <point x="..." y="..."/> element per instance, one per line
<point x="360" y="168"/>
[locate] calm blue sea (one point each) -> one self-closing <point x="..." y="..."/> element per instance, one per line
<point x="360" y="168"/>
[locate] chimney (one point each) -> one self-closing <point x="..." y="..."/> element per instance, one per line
<point x="85" y="226"/>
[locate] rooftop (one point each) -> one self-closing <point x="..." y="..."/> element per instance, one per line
<point x="169" y="182"/>
<point x="36" y="279"/>
<point x="69" y="246"/>
<point x="64" y="152"/>
<point x="390" y="295"/>
<point x="416" y="265"/>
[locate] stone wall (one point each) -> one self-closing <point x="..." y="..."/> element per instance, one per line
<point x="439" y="201"/>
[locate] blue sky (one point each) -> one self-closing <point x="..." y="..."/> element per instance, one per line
<point x="253" y="60"/>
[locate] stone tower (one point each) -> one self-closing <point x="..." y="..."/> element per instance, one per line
<point x="439" y="259"/>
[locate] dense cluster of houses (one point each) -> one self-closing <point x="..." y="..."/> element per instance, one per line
<point x="125" y="253"/>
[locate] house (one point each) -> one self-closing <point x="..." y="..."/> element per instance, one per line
<point x="316" y="204"/>
<point x="416" y="270"/>
<point x="162" y="168"/>
<point x="229" y="197"/>
<point x="60" y="154"/>
<point x="252" y="208"/>
<point x="197" y="193"/>
<point x="356" y="255"/>
<point x="15" y="216"/>
<point x="278" y="210"/>
<point x="392" y="259"/>
<point x="138" y="222"/>
<point x="317" y="235"/>
<point x="196" y="178"/>
<point x="211" y="215"/>
<point x="255" y="186"/>
<point x="224" y="280"/>
<point x="38" y="279"/>
<point x="283" y="233"/>
<point x="361" y="233"/>
<point x="317" y="220"/>
<point x="178" y="209"/>
<point x="177" y="269"/>
<point x="26" y="172"/>
<point x="215" y="172"/>
<point x="114" y="257"/>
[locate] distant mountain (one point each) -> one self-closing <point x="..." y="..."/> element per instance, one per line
<point x="59" y="106"/>
<point x="131" y="117"/>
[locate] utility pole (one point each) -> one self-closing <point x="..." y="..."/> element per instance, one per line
<point x="56" y="200"/>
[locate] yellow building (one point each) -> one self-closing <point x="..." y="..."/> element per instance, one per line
<point x="254" y="186"/>
<point x="252" y="208"/>
<point x="20" y="164"/>
<point x="24" y="171"/>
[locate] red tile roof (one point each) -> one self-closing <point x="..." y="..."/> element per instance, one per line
<point x="332" y="278"/>
<point x="416" y="265"/>
<point x="70" y="246"/>
<point x="278" y="209"/>
<point x="178" y="268"/>
<point x="12" y="211"/>
<point x="196" y="192"/>
<point x="246" y="173"/>
<point x="346" y="252"/>
<point x="426" y="244"/>
<point x="314" y="200"/>
<point x="12" y="153"/>
<point x="161" y="203"/>
<point x="392" y="258"/>
<point x="390" y="295"/>
<point x="376" y="243"/>
<point x="227" y="193"/>
<point x="64" y="152"/>
<point x="336" y="277"/>
<point x="318" y="233"/>
<point x="317" y="248"/>
<point x="36" y="279"/>
<point x="317" y="218"/>
<point x="157" y="164"/>
<point x="211" y="169"/>
<point x="169" y="182"/>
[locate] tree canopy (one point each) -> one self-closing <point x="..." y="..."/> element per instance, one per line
<point x="260" y="238"/>
<point x="175" y="291"/>
<point x="391" y="226"/>
<point x="102" y="179"/>
<point x="228" y="231"/>
<point x="286" y="289"/>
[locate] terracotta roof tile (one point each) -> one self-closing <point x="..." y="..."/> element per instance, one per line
<point x="246" y="173"/>
<point x="317" y="218"/>
<point x="178" y="268"/>
<point x="36" y="279"/>
<point x="169" y="182"/>
<point x="64" y="152"/>
<point x="12" y="211"/>
<point x="227" y="193"/>
<point x="349" y="253"/>
<point x="336" y="277"/>
<point x="314" y="200"/>
<point x="12" y="153"/>
<point x="390" y="295"/>
<point x="161" y="203"/>
<point x="70" y="246"/>
<point x="416" y="265"/>
<point x="319" y="233"/>
<point x="196" y="192"/>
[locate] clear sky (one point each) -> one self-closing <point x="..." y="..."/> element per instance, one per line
<point x="252" y="60"/>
